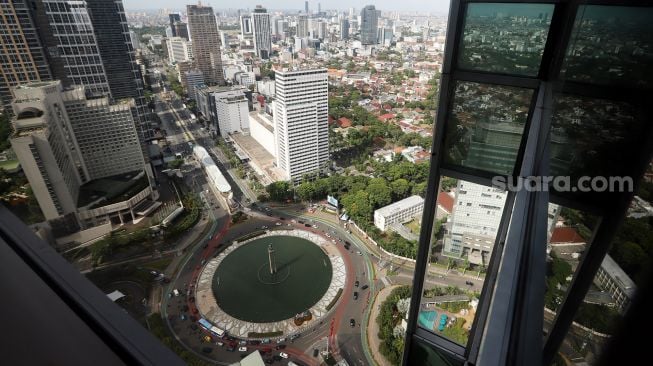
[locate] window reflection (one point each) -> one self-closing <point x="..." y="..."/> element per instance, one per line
<point x="593" y="137"/>
<point x="486" y="126"/>
<point x="611" y="45"/>
<point x="505" y="38"/>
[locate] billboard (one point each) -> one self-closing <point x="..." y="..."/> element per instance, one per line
<point x="332" y="201"/>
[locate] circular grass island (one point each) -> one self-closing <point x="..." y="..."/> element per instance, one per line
<point x="245" y="288"/>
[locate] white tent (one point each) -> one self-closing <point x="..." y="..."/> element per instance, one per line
<point x="115" y="295"/>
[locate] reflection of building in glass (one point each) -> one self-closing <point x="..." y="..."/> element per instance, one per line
<point x="493" y="146"/>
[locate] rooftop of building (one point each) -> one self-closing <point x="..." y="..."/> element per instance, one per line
<point x="619" y="276"/>
<point x="108" y="190"/>
<point x="446" y="201"/>
<point x="400" y="205"/>
<point x="566" y="235"/>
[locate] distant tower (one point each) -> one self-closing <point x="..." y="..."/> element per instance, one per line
<point x="273" y="263"/>
<point x="369" y="25"/>
<point x="305" y="7"/>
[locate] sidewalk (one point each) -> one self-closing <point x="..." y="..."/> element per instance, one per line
<point x="373" y="327"/>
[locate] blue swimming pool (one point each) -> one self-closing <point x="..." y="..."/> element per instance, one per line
<point x="426" y="319"/>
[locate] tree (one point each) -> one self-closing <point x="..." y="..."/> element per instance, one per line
<point x="306" y="191"/>
<point x="400" y="188"/>
<point x="358" y="206"/>
<point x="280" y="191"/>
<point x="379" y="193"/>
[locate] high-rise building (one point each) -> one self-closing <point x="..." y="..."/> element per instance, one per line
<point x="22" y="59"/>
<point x="302" y="26"/>
<point x="97" y="53"/>
<point x="174" y="18"/>
<point x="63" y="140"/>
<point x="232" y="111"/>
<point x="246" y="26"/>
<point x="261" y="29"/>
<point x="321" y="30"/>
<point x="301" y="122"/>
<point x="181" y="30"/>
<point x="369" y="25"/>
<point x="206" y="43"/>
<point x="306" y="7"/>
<point x="344" y="29"/>
<point x="474" y="222"/>
<point x="179" y="50"/>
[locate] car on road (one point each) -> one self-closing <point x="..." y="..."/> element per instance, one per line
<point x="263" y="227"/>
<point x="242" y="343"/>
<point x="281" y="346"/>
<point x="283" y="354"/>
<point x="314" y="226"/>
<point x="242" y="349"/>
<point x="364" y="287"/>
<point x="470" y="283"/>
<point x="265" y="341"/>
<point x="307" y="225"/>
<point x="316" y="352"/>
<point x="278" y="224"/>
<point x="355" y="295"/>
<point x="359" y="252"/>
<point x="352" y="322"/>
<point x="281" y="340"/>
<point x="254" y="343"/>
<point x="207" y="349"/>
<point x="220" y="344"/>
<point x="356" y="283"/>
<point x="294" y="336"/>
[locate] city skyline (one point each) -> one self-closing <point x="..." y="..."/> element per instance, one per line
<point x="437" y="6"/>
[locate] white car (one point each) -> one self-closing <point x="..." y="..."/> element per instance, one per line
<point x="278" y="224"/>
<point x="242" y="349"/>
<point x="314" y="226"/>
<point x="283" y="354"/>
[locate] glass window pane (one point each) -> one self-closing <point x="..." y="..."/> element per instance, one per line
<point x="505" y="38"/>
<point x="611" y="45"/>
<point x="421" y="353"/>
<point x="593" y="138"/>
<point x="467" y="222"/>
<point x="486" y="126"/>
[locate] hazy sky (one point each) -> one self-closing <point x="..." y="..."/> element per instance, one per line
<point x="435" y="6"/>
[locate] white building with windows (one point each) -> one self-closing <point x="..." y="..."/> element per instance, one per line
<point x="474" y="222"/>
<point x="398" y="212"/>
<point x="179" y="50"/>
<point x="232" y="111"/>
<point x="301" y="122"/>
<point x="611" y="278"/>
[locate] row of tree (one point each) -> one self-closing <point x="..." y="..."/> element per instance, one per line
<point x="392" y="343"/>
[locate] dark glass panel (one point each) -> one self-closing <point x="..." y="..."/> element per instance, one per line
<point x="611" y="45"/>
<point x="505" y="38"/>
<point x="486" y="126"/>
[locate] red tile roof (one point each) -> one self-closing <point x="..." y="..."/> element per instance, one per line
<point x="387" y="116"/>
<point x="566" y="235"/>
<point x="344" y="122"/>
<point x="446" y="201"/>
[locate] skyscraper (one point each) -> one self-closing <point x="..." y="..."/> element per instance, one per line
<point x="302" y="26"/>
<point x="301" y="122"/>
<point x="23" y="57"/>
<point x="246" y="25"/>
<point x="61" y="145"/>
<point x="261" y="29"/>
<point x="181" y="30"/>
<point x="306" y="7"/>
<point x="206" y="43"/>
<point x="344" y="29"/>
<point x="369" y="25"/>
<point x="174" y="18"/>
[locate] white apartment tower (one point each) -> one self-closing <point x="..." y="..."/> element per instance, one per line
<point x="179" y="50"/>
<point x="474" y="222"/>
<point x="262" y="32"/>
<point x="232" y="111"/>
<point x="301" y="122"/>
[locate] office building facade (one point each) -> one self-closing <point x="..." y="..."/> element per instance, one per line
<point x="23" y="58"/>
<point x="232" y="111"/>
<point x="181" y="30"/>
<point x="262" y="32"/>
<point x="174" y="18"/>
<point x="206" y="43"/>
<point x="344" y="29"/>
<point x="302" y="26"/>
<point x="301" y="122"/>
<point x="369" y="25"/>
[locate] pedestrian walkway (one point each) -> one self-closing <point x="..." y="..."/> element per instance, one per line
<point x="373" y="326"/>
